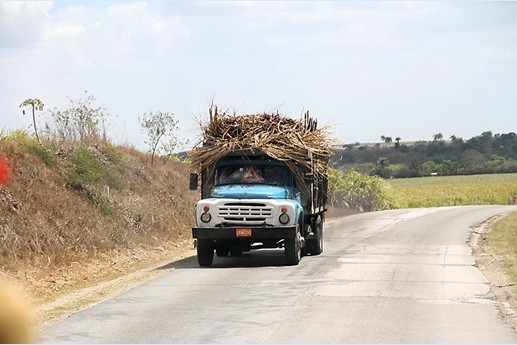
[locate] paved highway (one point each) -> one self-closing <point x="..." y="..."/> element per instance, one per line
<point x="400" y="276"/>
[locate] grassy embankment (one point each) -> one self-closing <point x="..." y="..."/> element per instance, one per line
<point x="74" y="213"/>
<point x="502" y="239"/>
<point x="497" y="189"/>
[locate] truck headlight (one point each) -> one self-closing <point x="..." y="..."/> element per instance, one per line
<point x="205" y="216"/>
<point x="284" y="217"/>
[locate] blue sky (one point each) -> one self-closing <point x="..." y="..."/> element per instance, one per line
<point x="406" y="69"/>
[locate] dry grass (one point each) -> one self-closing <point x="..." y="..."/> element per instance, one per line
<point x="52" y="229"/>
<point x="502" y="240"/>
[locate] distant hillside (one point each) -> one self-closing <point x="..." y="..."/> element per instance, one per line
<point x="484" y="154"/>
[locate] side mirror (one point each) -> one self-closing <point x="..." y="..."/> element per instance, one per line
<point x="193" y="184"/>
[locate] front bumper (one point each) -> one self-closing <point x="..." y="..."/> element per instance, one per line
<point x="256" y="233"/>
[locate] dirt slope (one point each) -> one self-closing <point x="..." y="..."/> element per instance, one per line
<point x="73" y="216"/>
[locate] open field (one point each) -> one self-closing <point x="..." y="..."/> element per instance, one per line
<point x="495" y="189"/>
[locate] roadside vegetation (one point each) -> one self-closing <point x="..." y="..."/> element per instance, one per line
<point x="76" y="209"/>
<point x="359" y="192"/>
<point x="502" y="240"/>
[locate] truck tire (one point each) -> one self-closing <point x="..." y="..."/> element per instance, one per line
<point x="205" y="252"/>
<point x="315" y="245"/>
<point x="293" y="250"/>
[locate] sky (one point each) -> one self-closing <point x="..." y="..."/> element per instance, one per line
<point x="366" y="69"/>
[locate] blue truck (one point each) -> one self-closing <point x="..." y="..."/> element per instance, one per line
<point x="250" y="200"/>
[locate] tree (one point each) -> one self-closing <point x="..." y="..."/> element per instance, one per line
<point x="387" y="140"/>
<point x="160" y="126"/>
<point x="448" y="167"/>
<point x="397" y="142"/>
<point x="82" y="121"/>
<point x="36" y="104"/>
<point x="437" y="136"/>
<point x="381" y="168"/>
<point x="456" y="140"/>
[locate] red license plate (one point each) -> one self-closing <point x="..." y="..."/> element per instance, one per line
<point x="243" y="232"/>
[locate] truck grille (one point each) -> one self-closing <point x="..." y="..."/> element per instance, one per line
<point x="249" y="213"/>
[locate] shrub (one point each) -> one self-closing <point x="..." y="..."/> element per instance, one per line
<point x="45" y="154"/>
<point x="359" y="192"/>
<point x="87" y="173"/>
<point x="82" y="121"/>
<point x="87" y="168"/>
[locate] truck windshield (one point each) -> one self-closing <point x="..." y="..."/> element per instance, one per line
<point x="253" y="174"/>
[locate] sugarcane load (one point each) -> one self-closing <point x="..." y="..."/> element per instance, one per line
<point x="263" y="182"/>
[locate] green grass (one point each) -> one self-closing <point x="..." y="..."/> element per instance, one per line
<point x="45" y="154"/>
<point x="87" y="168"/>
<point x="88" y="174"/>
<point x="502" y="240"/>
<point x="495" y="189"/>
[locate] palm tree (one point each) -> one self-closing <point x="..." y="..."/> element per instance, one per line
<point x="397" y="144"/>
<point x="36" y="104"/>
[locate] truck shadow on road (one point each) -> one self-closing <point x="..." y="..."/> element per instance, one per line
<point x="256" y="258"/>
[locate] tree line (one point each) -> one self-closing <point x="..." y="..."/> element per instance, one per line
<point x="486" y="153"/>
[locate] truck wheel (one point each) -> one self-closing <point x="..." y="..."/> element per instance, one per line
<point x="293" y="250"/>
<point x="205" y="252"/>
<point x="315" y="245"/>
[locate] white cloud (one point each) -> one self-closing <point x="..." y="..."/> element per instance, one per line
<point x="21" y="22"/>
<point x="64" y="32"/>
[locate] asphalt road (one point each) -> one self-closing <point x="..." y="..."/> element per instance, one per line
<point x="401" y="276"/>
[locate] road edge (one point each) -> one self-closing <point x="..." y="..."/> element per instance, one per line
<point x="490" y="266"/>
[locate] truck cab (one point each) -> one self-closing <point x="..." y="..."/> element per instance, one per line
<point x="252" y="202"/>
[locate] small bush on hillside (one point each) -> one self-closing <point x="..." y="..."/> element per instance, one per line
<point x="88" y="169"/>
<point x="88" y="173"/>
<point x="46" y="155"/>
